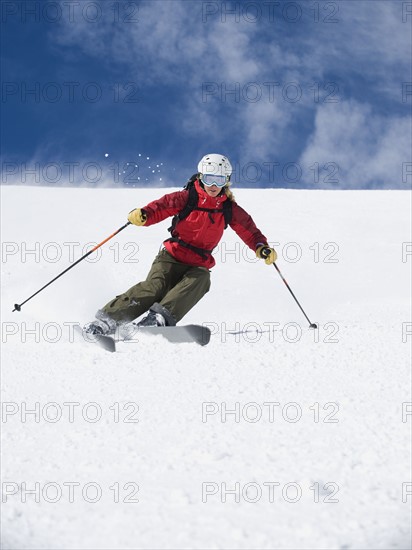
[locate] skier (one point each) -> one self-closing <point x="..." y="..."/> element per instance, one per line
<point x="180" y="274"/>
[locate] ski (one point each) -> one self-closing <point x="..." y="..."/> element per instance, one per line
<point x="106" y="342"/>
<point x="176" y="335"/>
<point x="130" y="334"/>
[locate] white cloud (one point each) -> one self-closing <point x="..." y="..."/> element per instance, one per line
<point x="369" y="149"/>
<point x="264" y="126"/>
<point x="170" y="37"/>
<point x="370" y="40"/>
<point x="170" y="45"/>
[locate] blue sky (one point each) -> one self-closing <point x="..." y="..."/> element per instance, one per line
<point x="297" y="94"/>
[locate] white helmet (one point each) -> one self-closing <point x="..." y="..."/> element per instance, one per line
<point x="215" y="164"/>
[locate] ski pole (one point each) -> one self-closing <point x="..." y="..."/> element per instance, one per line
<point x="311" y="325"/>
<point x="17" y="307"/>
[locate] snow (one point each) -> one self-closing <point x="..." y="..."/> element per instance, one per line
<point x="214" y="442"/>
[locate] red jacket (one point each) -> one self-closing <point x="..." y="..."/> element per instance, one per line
<point x="197" y="229"/>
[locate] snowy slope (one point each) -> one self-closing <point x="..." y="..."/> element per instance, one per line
<point x="316" y="453"/>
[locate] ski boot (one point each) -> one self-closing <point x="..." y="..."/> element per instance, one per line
<point x="157" y="316"/>
<point x="103" y="324"/>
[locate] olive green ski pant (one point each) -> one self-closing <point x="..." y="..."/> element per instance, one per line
<point x="173" y="284"/>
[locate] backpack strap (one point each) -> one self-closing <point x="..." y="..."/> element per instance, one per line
<point x="203" y="252"/>
<point x="191" y="203"/>
<point x="189" y="206"/>
<point x="227" y="212"/>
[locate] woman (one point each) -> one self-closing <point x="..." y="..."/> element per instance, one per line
<point x="180" y="276"/>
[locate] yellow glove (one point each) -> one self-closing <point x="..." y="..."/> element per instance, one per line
<point x="137" y="216"/>
<point x="266" y="253"/>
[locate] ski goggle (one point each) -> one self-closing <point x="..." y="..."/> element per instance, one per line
<point x="211" y="179"/>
